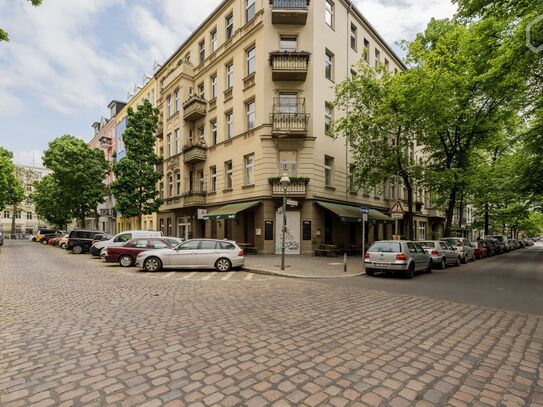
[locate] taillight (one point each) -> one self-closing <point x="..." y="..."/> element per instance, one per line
<point x="401" y="256"/>
<point x="240" y="254"/>
<point x="435" y="252"/>
<point x="366" y="255"/>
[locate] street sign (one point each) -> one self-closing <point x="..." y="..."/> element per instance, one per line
<point x="292" y="202"/>
<point x="397" y="210"/>
<point x="364" y="211"/>
<point x="396" y="215"/>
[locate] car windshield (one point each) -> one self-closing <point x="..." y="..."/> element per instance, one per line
<point x="427" y="245"/>
<point x="385" y="247"/>
<point x="454" y="242"/>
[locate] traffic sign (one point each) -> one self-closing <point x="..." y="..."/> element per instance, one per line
<point x="364" y="211"/>
<point x="397" y="210"/>
<point x="396" y="215"/>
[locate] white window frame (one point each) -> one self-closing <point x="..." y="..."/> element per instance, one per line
<point x="169" y="144"/>
<point x="250" y="109"/>
<point x="251" y="60"/>
<point x="213" y="178"/>
<point x="213" y="40"/>
<point x="213" y="132"/>
<point x="178" y="183"/>
<point x="176" y="101"/>
<point x="329" y="13"/>
<point x="328" y="116"/>
<point x="250" y="10"/>
<point x="177" y="141"/>
<point x="228" y="174"/>
<point x="214" y="86"/>
<point x="202" y="91"/>
<point x="288" y="39"/>
<point x="169" y="106"/>
<point x="249" y="161"/>
<point x="354" y="37"/>
<point x="292" y="172"/>
<point x="229" y="26"/>
<point x="229" y="125"/>
<point x="329" y="65"/>
<point x="202" y="50"/>
<point x="328" y="171"/>
<point x="229" y="75"/>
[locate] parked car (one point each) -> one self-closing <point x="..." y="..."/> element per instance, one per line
<point x="80" y="240"/>
<point x="222" y="255"/>
<point x="45" y="238"/>
<point x="101" y="238"/>
<point x="120" y="239"/>
<point x="528" y="242"/>
<point x="480" y="249"/>
<point x="396" y="256"/>
<point x="442" y="253"/>
<point x="503" y="241"/>
<point x="63" y="241"/>
<point x="126" y="255"/>
<point x="463" y="246"/>
<point x="494" y="247"/>
<point x="1" y="239"/>
<point x="41" y="234"/>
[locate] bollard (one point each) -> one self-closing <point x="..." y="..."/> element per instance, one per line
<point x="344" y="262"/>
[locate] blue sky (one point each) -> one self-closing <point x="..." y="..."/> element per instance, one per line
<point x="67" y="59"/>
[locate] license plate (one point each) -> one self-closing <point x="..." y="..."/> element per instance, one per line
<point x="382" y="265"/>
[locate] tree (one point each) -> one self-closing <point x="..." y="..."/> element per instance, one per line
<point x="16" y="194"/>
<point x="135" y="187"/>
<point x="4" y="35"/>
<point x="380" y="124"/>
<point x="79" y="172"/>
<point x="8" y="180"/>
<point x="50" y="203"/>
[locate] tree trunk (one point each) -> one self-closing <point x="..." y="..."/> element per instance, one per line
<point x="409" y="215"/>
<point x="450" y="212"/>
<point x="487" y="219"/>
<point x="140" y="220"/>
<point x="13" y="223"/>
<point x="461" y="211"/>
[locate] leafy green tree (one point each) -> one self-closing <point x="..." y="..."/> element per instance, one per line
<point x="380" y="124"/>
<point x="8" y="180"/>
<point x="135" y="187"/>
<point x="16" y="194"/>
<point x="79" y="172"/>
<point x="4" y="35"/>
<point x="50" y="202"/>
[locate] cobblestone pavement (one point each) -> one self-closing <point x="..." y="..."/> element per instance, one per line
<point x="73" y="332"/>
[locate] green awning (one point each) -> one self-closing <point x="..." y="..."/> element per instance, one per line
<point x="348" y="213"/>
<point x="230" y="211"/>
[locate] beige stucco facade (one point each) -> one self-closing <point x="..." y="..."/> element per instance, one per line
<point x="269" y="112"/>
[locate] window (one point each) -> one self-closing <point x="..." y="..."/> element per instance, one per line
<point x="228" y="175"/>
<point x="190" y="245"/>
<point x="123" y="238"/>
<point x="7" y="214"/>
<point x="229" y="125"/>
<point x="229" y="75"/>
<point x="387" y="64"/>
<point x="201" y="135"/>
<point x="213" y="132"/>
<point x="352" y="188"/>
<point x="177" y="142"/>
<point x="213" y="176"/>
<point x="29" y="215"/>
<point x="288" y="103"/>
<point x="169" y="144"/>
<point x="251" y="114"/>
<point x="288" y="163"/>
<point x="329" y="13"/>
<point x="214" y="42"/>
<point x="187" y="57"/>
<point x="201" y="180"/>
<point x="202" y="50"/>
<point x="328" y="168"/>
<point x="140" y="244"/>
<point x="328" y="65"/>
<point x="159" y="244"/>
<point x="229" y="26"/>
<point x="161" y="190"/>
<point x="201" y="91"/>
<point x="377" y="57"/>
<point x="249" y="169"/>
<point x="169" y="106"/>
<point x="288" y="43"/>
<point x="213" y="86"/>
<point x="422" y="230"/>
<point x="328" y="116"/>
<point x="251" y="60"/>
<point x="366" y="51"/>
<point x="178" y="183"/>
<point x="250" y="10"/>
<point x="176" y="97"/>
<point x="170" y="185"/>
<point x="353" y="37"/>
<point x="208" y="245"/>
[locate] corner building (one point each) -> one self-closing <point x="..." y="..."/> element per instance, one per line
<point x="247" y="98"/>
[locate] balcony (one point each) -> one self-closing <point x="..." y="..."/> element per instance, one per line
<point x="289" y="11"/>
<point x="296" y="188"/>
<point x="289" y="65"/>
<point x="289" y="117"/>
<point x="194" y="198"/>
<point x="105" y="142"/>
<point x="194" y="153"/>
<point x="194" y="109"/>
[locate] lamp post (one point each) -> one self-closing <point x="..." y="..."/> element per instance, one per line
<point x="285" y="180"/>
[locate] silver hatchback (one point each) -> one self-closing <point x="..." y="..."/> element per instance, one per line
<point x="396" y="256"/>
<point x="442" y="253"/>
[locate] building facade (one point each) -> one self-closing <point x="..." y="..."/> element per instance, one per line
<point x="247" y="98"/>
<point x="27" y="222"/>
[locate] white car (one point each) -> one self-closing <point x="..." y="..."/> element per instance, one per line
<point x="120" y="239"/>
<point x="463" y="246"/>
<point x="442" y="253"/>
<point x="221" y="255"/>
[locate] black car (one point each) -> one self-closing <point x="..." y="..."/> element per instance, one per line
<point x="98" y="238"/>
<point x="494" y="246"/>
<point x="80" y="241"/>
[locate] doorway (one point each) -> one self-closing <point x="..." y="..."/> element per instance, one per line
<point x="183" y="228"/>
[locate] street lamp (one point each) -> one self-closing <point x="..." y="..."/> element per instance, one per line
<point x="285" y="180"/>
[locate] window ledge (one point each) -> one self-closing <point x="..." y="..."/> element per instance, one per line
<point x="228" y="190"/>
<point x="212" y="193"/>
<point x="329" y="187"/>
<point x="173" y="115"/>
<point x="248" y="186"/>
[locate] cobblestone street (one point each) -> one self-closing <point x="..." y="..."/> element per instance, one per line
<point x="74" y="331"/>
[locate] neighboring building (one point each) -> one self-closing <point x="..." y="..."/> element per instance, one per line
<point x="246" y="98"/>
<point x="146" y="91"/>
<point x="27" y="222"/>
<point x="105" y="138"/>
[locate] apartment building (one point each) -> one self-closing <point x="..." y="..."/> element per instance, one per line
<point x="246" y="98"/>
<point x="27" y="221"/>
<point x="146" y="91"/>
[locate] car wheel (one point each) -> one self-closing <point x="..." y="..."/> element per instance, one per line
<point x="429" y="268"/>
<point x="152" y="264"/>
<point x="443" y="264"/>
<point x="410" y="272"/>
<point x="223" y="264"/>
<point x="126" y="261"/>
<point x="63" y="246"/>
<point x="44" y="242"/>
<point x="458" y="262"/>
<point x="464" y="260"/>
<point x="370" y="272"/>
<point x="77" y="249"/>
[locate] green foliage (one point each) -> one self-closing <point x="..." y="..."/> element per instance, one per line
<point x="4" y="35"/>
<point x="79" y="172"/>
<point x="135" y="187"/>
<point x="50" y="202"/>
<point x="11" y="191"/>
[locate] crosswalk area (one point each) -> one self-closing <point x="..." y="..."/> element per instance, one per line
<point x="200" y="275"/>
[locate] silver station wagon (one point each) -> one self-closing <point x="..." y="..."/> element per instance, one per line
<point x="222" y="255"/>
<point x="443" y="254"/>
<point x="397" y="256"/>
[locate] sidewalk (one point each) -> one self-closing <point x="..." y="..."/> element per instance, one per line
<point x="305" y="266"/>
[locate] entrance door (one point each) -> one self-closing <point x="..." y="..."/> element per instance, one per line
<point x="183" y="228"/>
<point x="328" y="221"/>
<point x="292" y="235"/>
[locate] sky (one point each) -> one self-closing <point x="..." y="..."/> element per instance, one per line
<point x="66" y="60"/>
